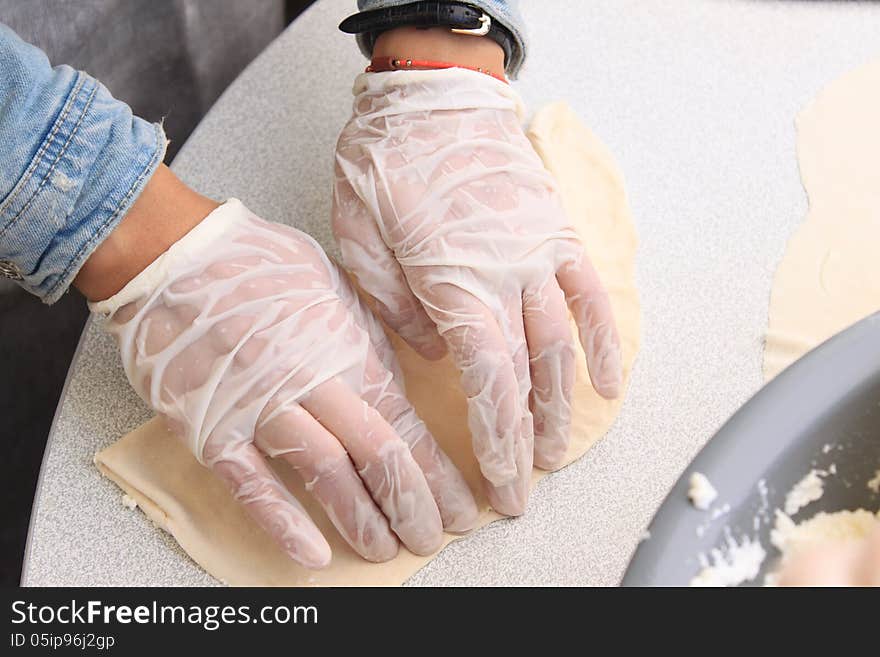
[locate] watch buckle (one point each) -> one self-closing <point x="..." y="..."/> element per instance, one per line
<point x="483" y="30"/>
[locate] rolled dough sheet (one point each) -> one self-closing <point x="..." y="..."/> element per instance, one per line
<point x="829" y="277"/>
<point x="185" y="499"/>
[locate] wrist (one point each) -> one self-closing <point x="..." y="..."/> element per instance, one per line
<point x="165" y="211"/>
<point x="440" y="44"/>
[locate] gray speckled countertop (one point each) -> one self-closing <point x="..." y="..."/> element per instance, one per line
<point x="696" y="99"/>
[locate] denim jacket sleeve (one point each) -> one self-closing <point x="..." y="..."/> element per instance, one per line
<point x="74" y="161"/>
<point x="506" y="12"/>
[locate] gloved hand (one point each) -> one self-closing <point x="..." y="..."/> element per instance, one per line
<point x="252" y="344"/>
<point x="847" y="563"/>
<point x="447" y="216"/>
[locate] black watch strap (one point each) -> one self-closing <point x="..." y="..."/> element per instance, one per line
<point x="457" y="16"/>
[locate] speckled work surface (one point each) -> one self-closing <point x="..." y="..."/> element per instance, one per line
<point x="695" y="98"/>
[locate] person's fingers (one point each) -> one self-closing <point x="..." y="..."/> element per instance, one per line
<point x="552" y="360"/>
<point x="367" y="321"/>
<point x="836" y="563"/>
<point x="383" y="461"/>
<point x="825" y="565"/>
<point x="480" y="351"/>
<point x="382" y="388"/>
<point x="378" y="272"/>
<point x="286" y="430"/>
<point x="511" y="498"/>
<point x="458" y="509"/>
<point x="254" y="485"/>
<point x="592" y="312"/>
<point x="867" y="570"/>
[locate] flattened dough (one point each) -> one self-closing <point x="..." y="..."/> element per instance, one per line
<point x="830" y="275"/>
<point x="183" y="498"/>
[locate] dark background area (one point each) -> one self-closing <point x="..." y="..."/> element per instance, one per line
<point x="168" y="59"/>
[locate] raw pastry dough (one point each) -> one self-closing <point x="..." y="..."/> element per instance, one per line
<point x="830" y="275"/>
<point x="185" y="499"/>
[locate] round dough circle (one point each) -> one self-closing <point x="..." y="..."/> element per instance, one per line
<point x="829" y="277"/>
<point x="186" y="500"/>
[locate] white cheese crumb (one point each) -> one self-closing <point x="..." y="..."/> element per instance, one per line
<point x="792" y="539"/>
<point x="701" y="491"/>
<point x="739" y="563"/>
<point x="764" y="509"/>
<point x="874" y="484"/>
<point x="807" y="490"/>
<point x="717" y="512"/>
<point x="129" y="502"/>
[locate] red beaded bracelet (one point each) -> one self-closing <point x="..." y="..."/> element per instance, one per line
<point x="380" y="64"/>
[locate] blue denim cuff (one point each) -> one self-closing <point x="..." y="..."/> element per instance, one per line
<point x="505" y="12"/>
<point x="94" y="159"/>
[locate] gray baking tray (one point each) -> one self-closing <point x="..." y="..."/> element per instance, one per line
<point x="824" y="409"/>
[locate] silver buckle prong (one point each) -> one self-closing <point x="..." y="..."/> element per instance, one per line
<point x="483" y="30"/>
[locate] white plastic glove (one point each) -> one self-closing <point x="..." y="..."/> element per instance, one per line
<point x="837" y="563"/>
<point x="252" y="344"/>
<point x="447" y="216"/>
